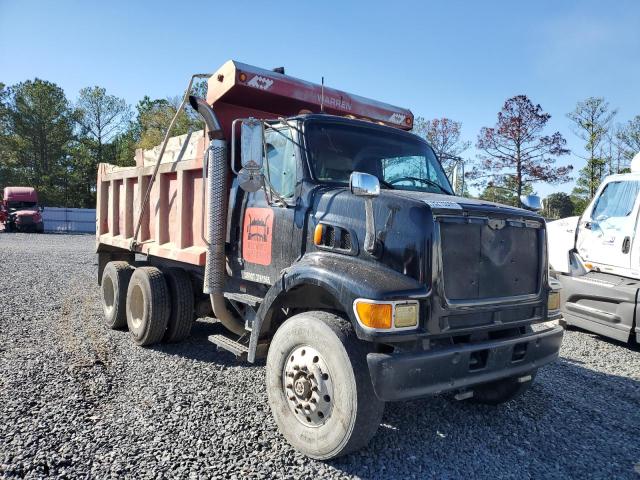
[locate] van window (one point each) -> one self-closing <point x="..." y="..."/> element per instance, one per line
<point x="616" y="200"/>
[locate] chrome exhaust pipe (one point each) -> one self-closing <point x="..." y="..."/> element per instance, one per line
<point x="208" y="115"/>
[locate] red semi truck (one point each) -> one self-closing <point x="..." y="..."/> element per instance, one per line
<point x="325" y="237"/>
<point x="19" y="210"/>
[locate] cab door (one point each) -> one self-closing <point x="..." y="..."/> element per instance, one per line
<point x="607" y="229"/>
<point x="270" y="240"/>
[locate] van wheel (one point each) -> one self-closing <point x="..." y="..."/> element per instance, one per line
<point x="182" y="300"/>
<point x="319" y="387"/>
<point x="501" y="391"/>
<point x="148" y="306"/>
<point x="115" y="281"/>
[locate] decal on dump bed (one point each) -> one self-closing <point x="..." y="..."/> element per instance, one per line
<point x="257" y="235"/>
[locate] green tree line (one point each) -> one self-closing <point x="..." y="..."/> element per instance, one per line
<point x="55" y="145"/>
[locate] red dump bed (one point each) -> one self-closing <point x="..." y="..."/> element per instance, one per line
<point x="172" y="222"/>
<point x="238" y="90"/>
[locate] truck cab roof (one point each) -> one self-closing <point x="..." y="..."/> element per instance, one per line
<point x="349" y="120"/>
<point x="20" y="194"/>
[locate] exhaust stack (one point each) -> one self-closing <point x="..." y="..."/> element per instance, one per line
<point x="217" y="172"/>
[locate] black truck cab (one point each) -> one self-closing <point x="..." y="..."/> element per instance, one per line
<point x="460" y="280"/>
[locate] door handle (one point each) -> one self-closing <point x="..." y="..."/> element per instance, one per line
<point x="626" y="244"/>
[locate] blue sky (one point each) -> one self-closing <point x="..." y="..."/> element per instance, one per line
<point x="455" y="59"/>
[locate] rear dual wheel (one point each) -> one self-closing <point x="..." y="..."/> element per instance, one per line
<point x="155" y="305"/>
<point x="115" y="281"/>
<point x="182" y="305"/>
<point x="148" y="306"/>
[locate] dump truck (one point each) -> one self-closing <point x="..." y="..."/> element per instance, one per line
<point x="19" y="210"/>
<point x="324" y="237"/>
<point x="596" y="259"/>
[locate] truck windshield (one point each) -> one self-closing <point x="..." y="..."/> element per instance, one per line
<point x="398" y="160"/>
<point x="21" y="205"/>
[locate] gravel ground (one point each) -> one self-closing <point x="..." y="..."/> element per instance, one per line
<point x="77" y="399"/>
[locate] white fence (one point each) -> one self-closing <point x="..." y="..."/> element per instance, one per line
<point x="77" y="220"/>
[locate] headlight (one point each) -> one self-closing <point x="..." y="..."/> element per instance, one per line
<point x="394" y="315"/>
<point x="406" y="315"/>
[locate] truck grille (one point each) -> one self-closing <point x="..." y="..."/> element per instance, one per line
<point x="489" y="258"/>
<point x="26" y="220"/>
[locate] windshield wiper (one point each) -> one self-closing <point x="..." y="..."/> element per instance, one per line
<point x="429" y="182"/>
<point x="386" y="184"/>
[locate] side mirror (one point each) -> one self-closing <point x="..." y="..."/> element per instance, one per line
<point x="250" y="176"/>
<point x="531" y="202"/>
<point x="364" y="184"/>
<point x="457" y="178"/>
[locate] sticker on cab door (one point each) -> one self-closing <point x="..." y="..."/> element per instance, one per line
<point x="257" y="235"/>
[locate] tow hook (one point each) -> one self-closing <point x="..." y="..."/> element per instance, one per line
<point x="524" y="379"/>
<point x="463" y="395"/>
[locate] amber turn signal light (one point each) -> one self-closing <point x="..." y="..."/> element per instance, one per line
<point x="242" y="77"/>
<point x="375" y="315"/>
<point x="317" y="234"/>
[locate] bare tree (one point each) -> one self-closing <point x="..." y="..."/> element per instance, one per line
<point x="592" y="122"/>
<point x="444" y="136"/>
<point x="516" y="152"/>
<point x="629" y="137"/>
<point x="101" y="117"/>
<point x="614" y="152"/>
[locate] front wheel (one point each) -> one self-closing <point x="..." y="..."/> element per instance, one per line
<point x="319" y="387"/>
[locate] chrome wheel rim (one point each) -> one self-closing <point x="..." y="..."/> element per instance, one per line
<point x="136" y="306"/>
<point x="108" y="295"/>
<point x="308" y="386"/>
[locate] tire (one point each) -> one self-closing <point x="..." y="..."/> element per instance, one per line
<point x="182" y="304"/>
<point x="353" y="412"/>
<point x="115" y="282"/>
<point x="501" y="391"/>
<point x="148" y="306"/>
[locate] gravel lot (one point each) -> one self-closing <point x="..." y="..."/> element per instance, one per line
<point x="77" y="399"/>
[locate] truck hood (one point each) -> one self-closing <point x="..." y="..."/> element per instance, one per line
<point x="440" y="203"/>
<point x="403" y="222"/>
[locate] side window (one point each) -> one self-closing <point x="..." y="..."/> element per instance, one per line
<point x="280" y="161"/>
<point x="616" y="200"/>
